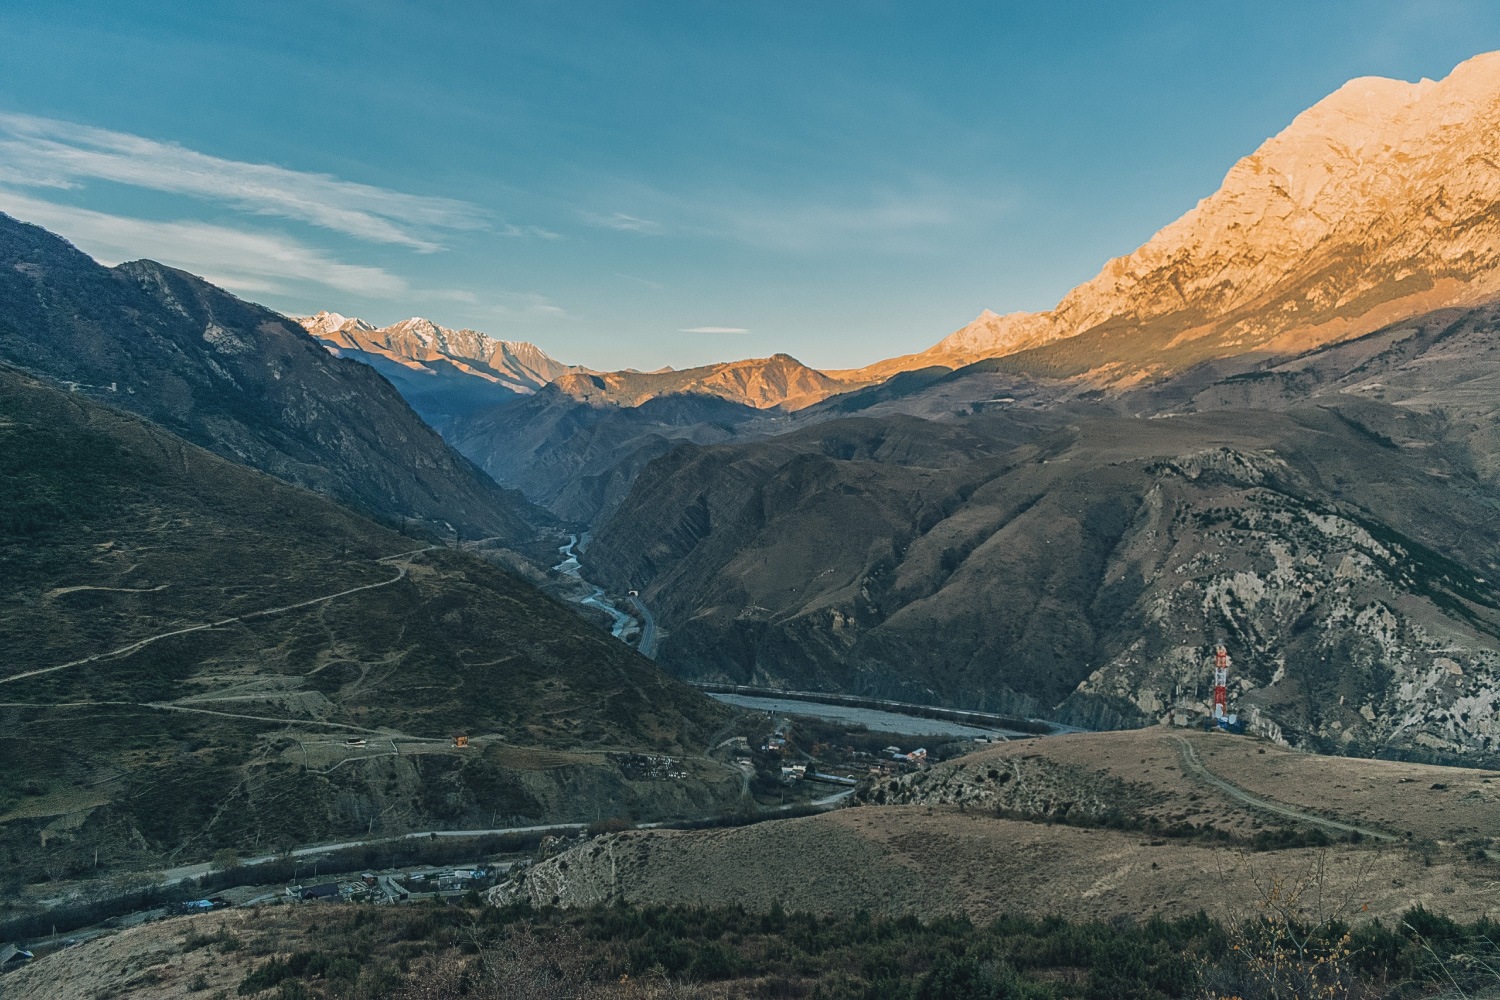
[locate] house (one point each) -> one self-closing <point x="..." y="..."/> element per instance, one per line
<point x="328" y="890"/>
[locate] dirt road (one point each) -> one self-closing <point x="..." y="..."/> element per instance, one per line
<point x="141" y="643"/>
<point x="1191" y="763"/>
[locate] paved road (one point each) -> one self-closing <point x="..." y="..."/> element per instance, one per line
<point x="132" y="647"/>
<point x="647" y="645"/>
<point x="174" y="875"/>
<point x="1191" y="762"/>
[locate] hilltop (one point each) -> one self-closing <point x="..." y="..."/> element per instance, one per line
<point x="1088" y="826"/>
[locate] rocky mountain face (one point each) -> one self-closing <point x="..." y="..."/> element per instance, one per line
<point x="237" y="379"/>
<point x="442" y="373"/>
<point x="1063" y="556"/>
<point x="576" y="446"/>
<point x="1376" y="204"/>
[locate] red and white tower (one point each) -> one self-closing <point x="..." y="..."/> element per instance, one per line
<point x="1221" y="682"/>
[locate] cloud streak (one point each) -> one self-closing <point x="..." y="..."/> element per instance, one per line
<point x="242" y="261"/>
<point x="714" y="329"/>
<point x="43" y="152"/>
<point x="622" y="222"/>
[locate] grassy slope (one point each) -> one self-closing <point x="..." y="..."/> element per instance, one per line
<point x="113" y="530"/>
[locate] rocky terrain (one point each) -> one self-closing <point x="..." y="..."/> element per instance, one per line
<point x="239" y="380"/>
<point x="1084" y="571"/>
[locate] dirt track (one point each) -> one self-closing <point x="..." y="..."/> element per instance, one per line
<point x="141" y="643"/>
<point x="1190" y="761"/>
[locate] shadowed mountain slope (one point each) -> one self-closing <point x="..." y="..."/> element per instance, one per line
<point x="578" y="458"/>
<point x="1081" y="565"/>
<point x="442" y="373"/>
<point x="114" y="531"/>
<point x="576" y="446"/>
<point x="239" y="380"/>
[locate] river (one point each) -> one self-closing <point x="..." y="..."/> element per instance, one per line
<point x="569" y="567"/>
<point x="872" y="719"/>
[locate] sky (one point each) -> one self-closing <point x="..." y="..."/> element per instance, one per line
<point x="638" y="185"/>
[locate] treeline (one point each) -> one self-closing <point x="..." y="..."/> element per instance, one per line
<point x="626" y="951"/>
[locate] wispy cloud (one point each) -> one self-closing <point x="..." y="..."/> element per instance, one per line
<point x="49" y="153"/>
<point x="242" y="261"/>
<point x="913" y="215"/>
<point x="546" y="234"/>
<point x="714" y="329"/>
<point x="622" y="222"/>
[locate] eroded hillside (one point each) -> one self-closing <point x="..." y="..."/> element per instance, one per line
<point x="1084" y="571"/>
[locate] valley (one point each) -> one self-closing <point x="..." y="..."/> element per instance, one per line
<point x="1144" y="646"/>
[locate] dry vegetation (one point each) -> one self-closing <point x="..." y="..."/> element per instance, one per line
<point x="1086" y="826"/>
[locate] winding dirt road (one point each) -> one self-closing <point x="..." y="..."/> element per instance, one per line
<point x="142" y="643"/>
<point x="1191" y="762"/>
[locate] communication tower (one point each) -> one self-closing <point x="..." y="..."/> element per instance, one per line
<point x="1221" y="682"/>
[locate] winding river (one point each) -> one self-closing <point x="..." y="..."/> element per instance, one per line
<point x="569" y="567"/>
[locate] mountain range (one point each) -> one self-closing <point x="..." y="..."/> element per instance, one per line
<point x="1239" y="432"/>
<point x="1271" y="426"/>
<point x="239" y="380"/>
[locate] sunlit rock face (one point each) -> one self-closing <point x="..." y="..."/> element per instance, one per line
<point x="1376" y="204"/>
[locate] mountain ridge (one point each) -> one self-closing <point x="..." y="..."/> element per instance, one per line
<point x="240" y="380"/>
<point x="518" y="365"/>
<point x="1374" y="205"/>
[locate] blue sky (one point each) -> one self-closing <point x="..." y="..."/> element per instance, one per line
<point x="667" y="183"/>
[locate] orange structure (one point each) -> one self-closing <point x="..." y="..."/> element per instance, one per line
<point x="460" y="741"/>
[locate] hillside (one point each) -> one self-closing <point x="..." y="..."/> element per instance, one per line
<point x="1375" y="205"/>
<point x="1080" y="565"/>
<point x="1011" y="830"/>
<point x="138" y="728"/>
<point x="239" y="380"/>
<point x="576" y="446"/>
